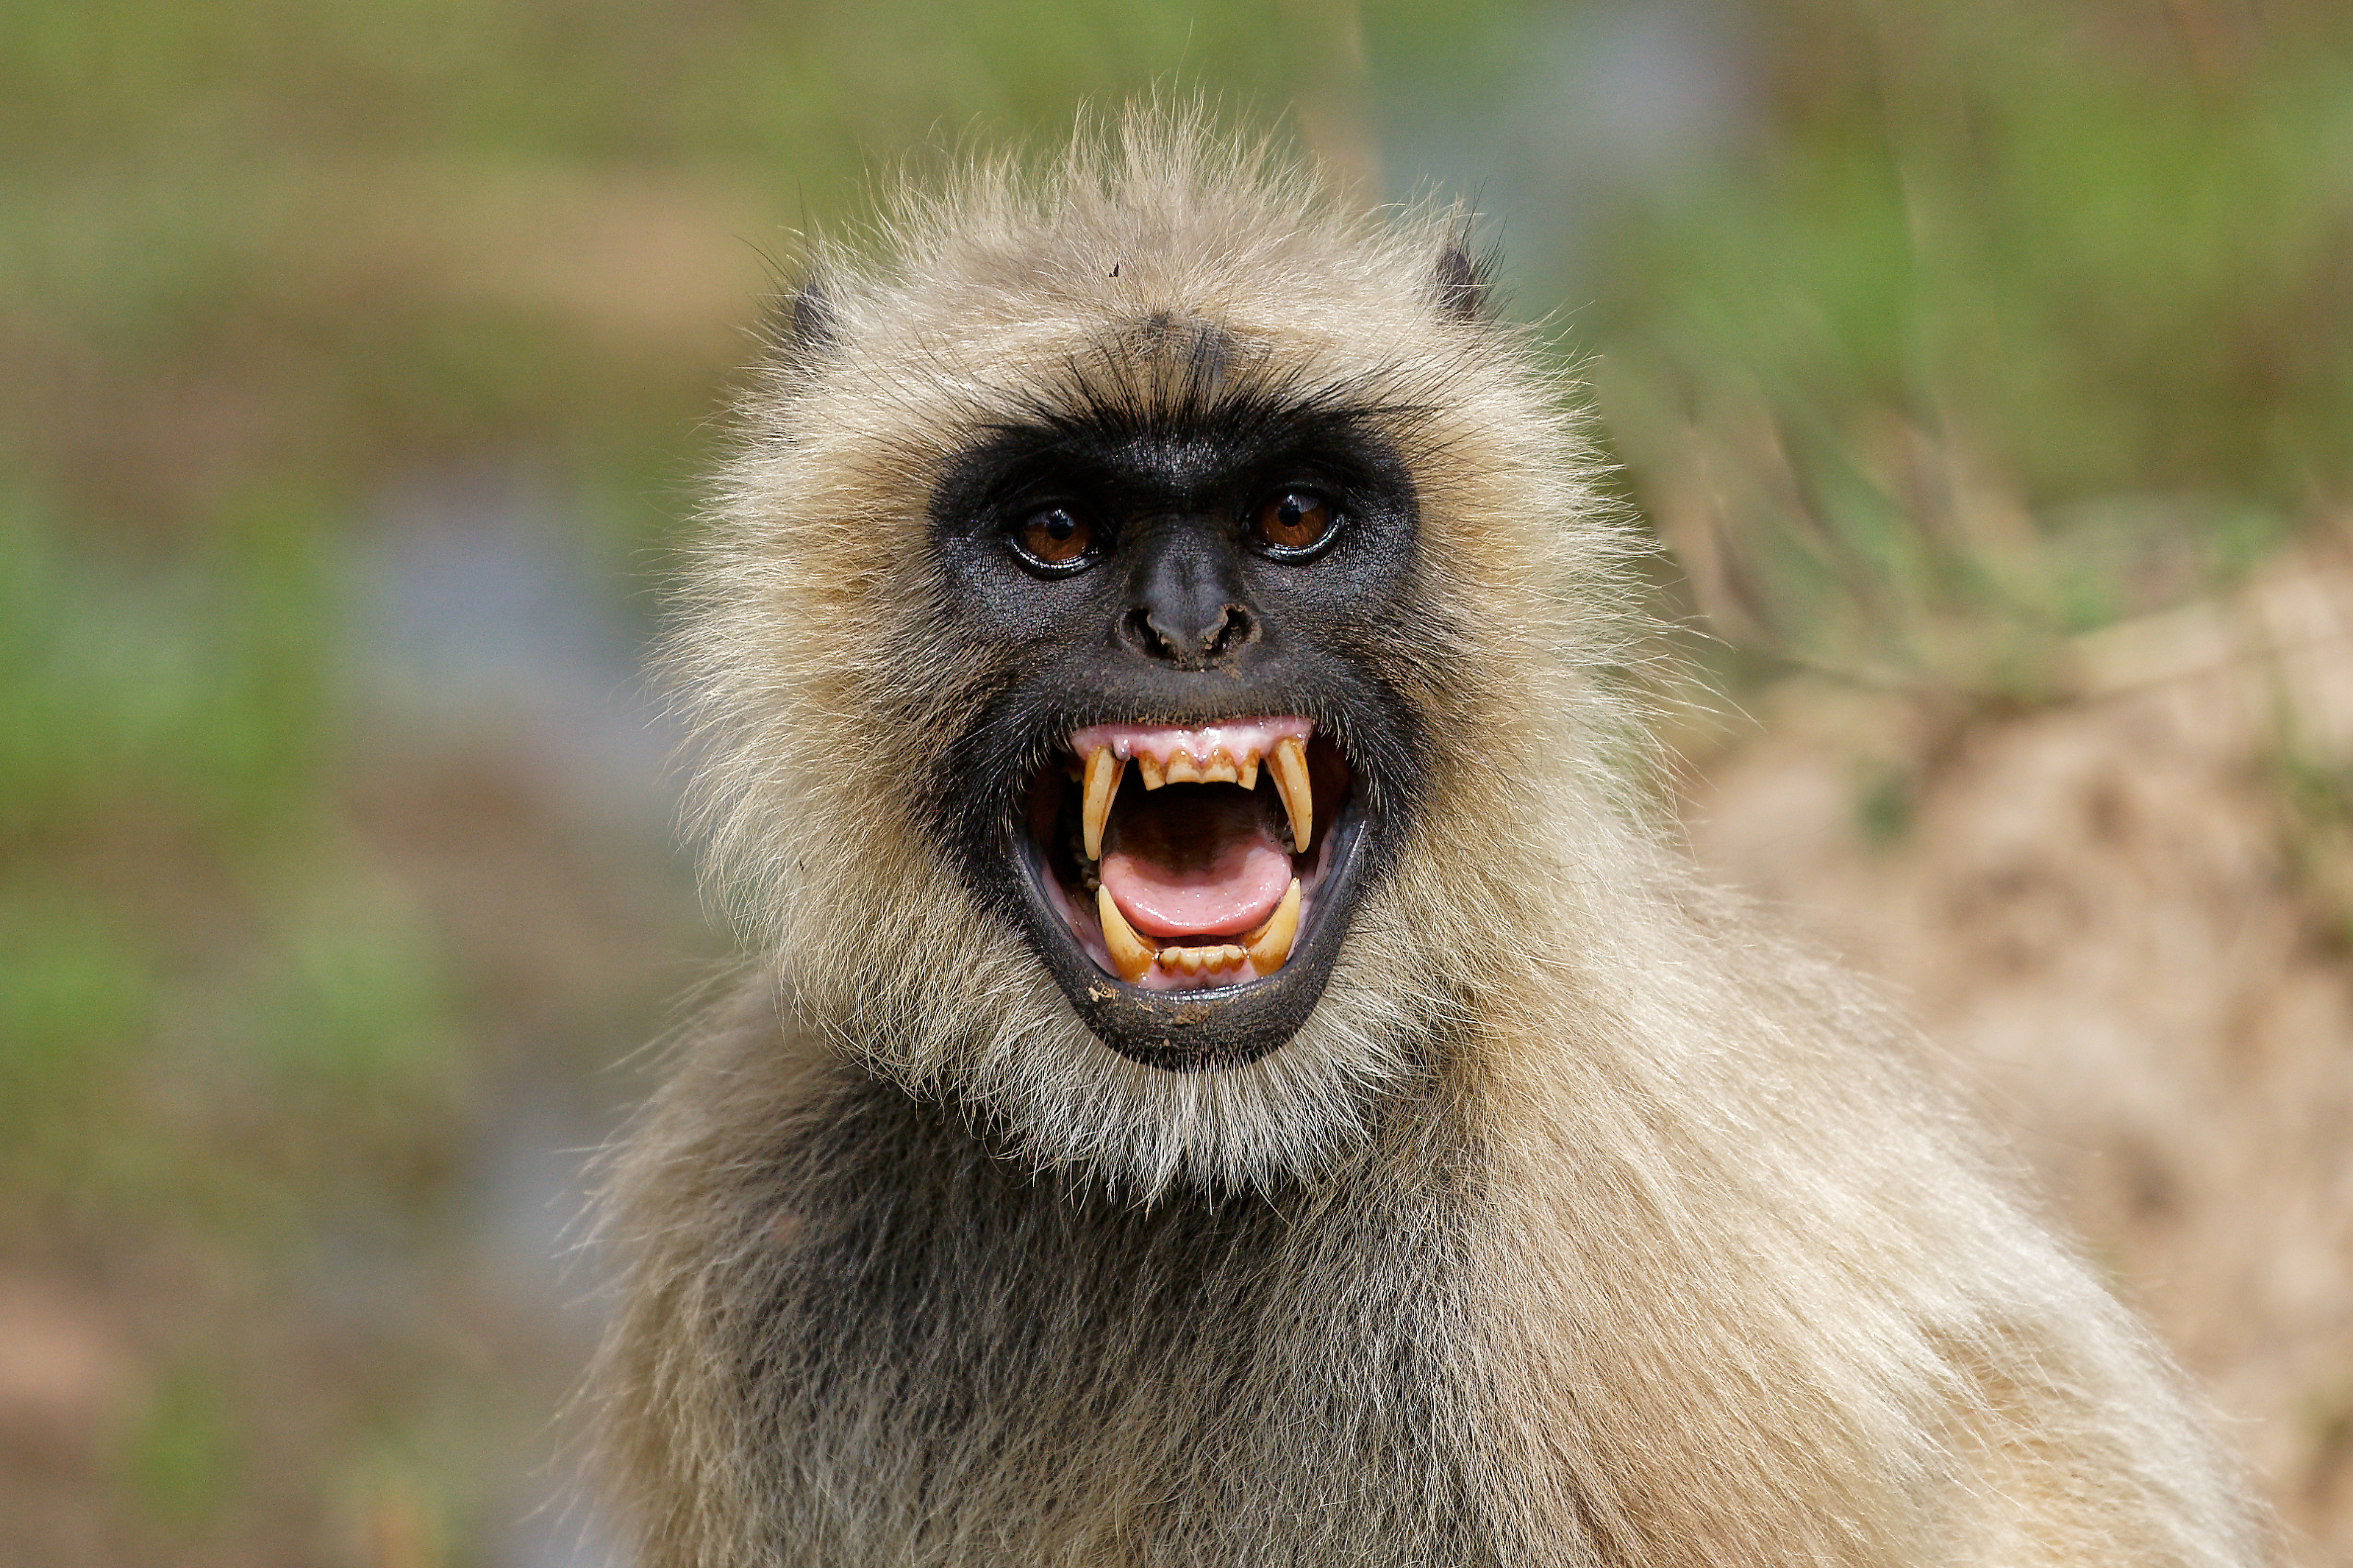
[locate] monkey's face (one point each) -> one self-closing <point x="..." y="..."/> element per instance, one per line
<point x="1140" y="663"/>
<point x="1208" y="770"/>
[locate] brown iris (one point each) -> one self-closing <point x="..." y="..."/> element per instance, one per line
<point x="1056" y="536"/>
<point x="1296" y="520"/>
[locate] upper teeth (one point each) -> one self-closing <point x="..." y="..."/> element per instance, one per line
<point x="1105" y="768"/>
<point x="1184" y="767"/>
<point x="1102" y="783"/>
<point x="1298" y="795"/>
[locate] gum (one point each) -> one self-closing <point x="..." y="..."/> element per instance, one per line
<point x="1237" y="739"/>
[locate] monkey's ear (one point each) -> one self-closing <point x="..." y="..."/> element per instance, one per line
<point x="805" y="323"/>
<point x="1461" y="285"/>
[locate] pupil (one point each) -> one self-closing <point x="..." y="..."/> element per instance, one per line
<point x="1060" y="526"/>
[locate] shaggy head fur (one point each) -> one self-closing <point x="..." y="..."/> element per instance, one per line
<point x="1167" y="276"/>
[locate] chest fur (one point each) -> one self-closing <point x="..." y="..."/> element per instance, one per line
<point x="955" y="1359"/>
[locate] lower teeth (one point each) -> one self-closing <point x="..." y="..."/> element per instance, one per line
<point x="1267" y="949"/>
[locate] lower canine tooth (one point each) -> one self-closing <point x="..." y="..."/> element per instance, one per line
<point x="1128" y="953"/>
<point x="1298" y="795"/>
<point x="1270" y="946"/>
<point x="1102" y="783"/>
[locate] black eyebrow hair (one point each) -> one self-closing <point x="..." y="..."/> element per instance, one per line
<point x="1166" y="454"/>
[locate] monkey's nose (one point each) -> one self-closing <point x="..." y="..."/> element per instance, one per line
<point x="1190" y="645"/>
<point x="1186" y="607"/>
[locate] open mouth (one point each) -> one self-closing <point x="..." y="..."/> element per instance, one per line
<point x="1191" y="859"/>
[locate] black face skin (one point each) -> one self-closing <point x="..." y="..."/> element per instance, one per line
<point x="1179" y="610"/>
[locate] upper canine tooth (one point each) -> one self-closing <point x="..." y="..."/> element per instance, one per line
<point x="1149" y="766"/>
<point x="1269" y="945"/>
<point x="1128" y="953"/>
<point x="1102" y="783"/>
<point x="1298" y="795"/>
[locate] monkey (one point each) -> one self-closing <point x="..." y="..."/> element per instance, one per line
<point x="1233" y="1067"/>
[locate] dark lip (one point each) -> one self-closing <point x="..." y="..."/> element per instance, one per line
<point x="1223" y="1026"/>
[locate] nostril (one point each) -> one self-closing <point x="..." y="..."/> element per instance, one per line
<point x="1235" y="632"/>
<point x="1143" y="636"/>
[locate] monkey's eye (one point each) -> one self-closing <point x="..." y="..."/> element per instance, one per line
<point x="1295" y="523"/>
<point x="1054" y="537"/>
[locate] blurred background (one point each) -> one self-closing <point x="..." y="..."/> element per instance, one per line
<point x="1986" y="370"/>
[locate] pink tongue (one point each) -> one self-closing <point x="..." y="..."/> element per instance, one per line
<point x="1195" y="860"/>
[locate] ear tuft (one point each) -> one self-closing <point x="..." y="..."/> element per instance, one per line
<point x="1462" y="285"/>
<point x="805" y="324"/>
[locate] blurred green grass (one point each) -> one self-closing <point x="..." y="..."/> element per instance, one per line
<point x="1977" y="328"/>
<point x="2023" y="320"/>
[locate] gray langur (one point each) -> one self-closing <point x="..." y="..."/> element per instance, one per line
<point x="1235" y="1073"/>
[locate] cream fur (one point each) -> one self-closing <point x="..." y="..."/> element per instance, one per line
<point x="1713" y="1277"/>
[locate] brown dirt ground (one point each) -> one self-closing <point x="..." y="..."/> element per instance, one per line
<point x="2131" y="935"/>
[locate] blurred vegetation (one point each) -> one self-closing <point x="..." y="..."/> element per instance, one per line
<point x="2022" y="319"/>
<point x="1971" y="328"/>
